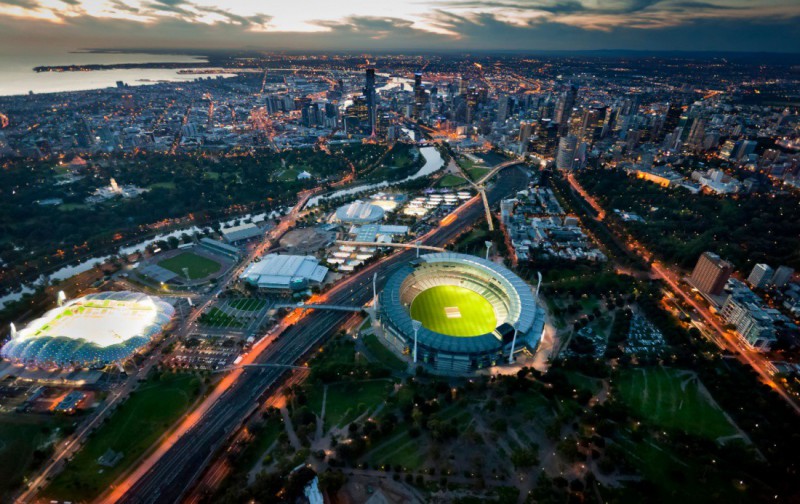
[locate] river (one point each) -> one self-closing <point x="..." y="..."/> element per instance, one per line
<point x="433" y="163"/>
<point x="75" y="269"/>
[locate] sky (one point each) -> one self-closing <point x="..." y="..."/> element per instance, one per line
<point x="41" y="26"/>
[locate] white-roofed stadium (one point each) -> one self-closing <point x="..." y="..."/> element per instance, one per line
<point x="359" y="212"/>
<point x="92" y="331"/>
<point x="468" y="308"/>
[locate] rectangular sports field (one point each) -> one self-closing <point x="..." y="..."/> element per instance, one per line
<point x="198" y="266"/>
<point x="454" y="310"/>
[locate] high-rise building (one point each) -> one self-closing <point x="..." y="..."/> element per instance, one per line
<point x="782" y="276"/>
<point x="564" y="111"/>
<point x="372" y="99"/>
<point x="711" y="273"/>
<point x="761" y="276"/>
<point x="524" y="136"/>
<point x="566" y="152"/>
<point x="419" y="95"/>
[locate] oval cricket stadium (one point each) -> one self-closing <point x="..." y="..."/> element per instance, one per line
<point x="92" y="331"/>
<point x="468" y="309"/>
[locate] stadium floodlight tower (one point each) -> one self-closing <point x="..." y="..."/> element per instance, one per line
<point x="513" y="343"/>
<point x="417" y="325"/>
<point x="488" y="247"/>
<point x="417" y="243"/>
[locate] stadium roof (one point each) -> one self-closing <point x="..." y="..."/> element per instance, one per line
<point x="97" y="329"/>
<point x="241" y="232"/>
<point x="276" y="271"/>
<point x="359" y="212"/>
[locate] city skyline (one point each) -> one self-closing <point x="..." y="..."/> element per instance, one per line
<point x="40" y="26"/>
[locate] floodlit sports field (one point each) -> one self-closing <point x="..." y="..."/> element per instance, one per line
<point x="454" y="311"/>
<point x="197" y="266"/>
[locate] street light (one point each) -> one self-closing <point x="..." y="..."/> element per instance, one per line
<point x="416" y="324"/>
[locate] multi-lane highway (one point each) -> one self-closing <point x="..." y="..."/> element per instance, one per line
<point x="166" y="477"/>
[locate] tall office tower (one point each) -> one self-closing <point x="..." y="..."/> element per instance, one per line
<point x="672" y="119"/>
<point x="502" y="108"/>
<point x="745" y="149"/>
<point x="566" y="152"/>
<point x="711" y="273"/>
<point x="524" y="136"/>
<point x="592" y="124"/>
<point x="419" y="95"/>
<point x="462" y="86"/>
<point x="372" y="99"/>
<point x="782" y="276"/>
<point x="472" y="104"/>
<point x="564" y="111"/>
<point x="761" y="276"/>
<point x="696" y="133"/>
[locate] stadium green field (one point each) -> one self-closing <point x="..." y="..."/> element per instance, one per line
<point x="199" y="267"/>
<point x="454" y="310"/>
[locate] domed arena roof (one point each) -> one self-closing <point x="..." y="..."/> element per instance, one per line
<point x="95" y="330"/>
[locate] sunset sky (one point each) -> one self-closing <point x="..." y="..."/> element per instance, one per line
<point x="735" y="25"/>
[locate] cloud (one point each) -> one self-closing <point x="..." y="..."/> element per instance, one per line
<point x="25" y="4"/>
<point x="437" y="25"/>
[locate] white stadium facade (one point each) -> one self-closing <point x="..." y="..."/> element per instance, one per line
<point x="92" y="331"/>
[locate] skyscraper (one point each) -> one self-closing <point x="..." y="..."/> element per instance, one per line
<point x="565" y="106"/>
<point x="525" y="129"/>
<point x="711" y="273"/>
<point x="566" y="152"/>
<point x="761" y="276"/>
<point x="371" y="98"/>
<point x="782" y="276"/>
<point x="419" y="95"/>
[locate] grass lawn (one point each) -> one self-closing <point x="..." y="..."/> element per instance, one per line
<point x="477" y="172"/>
<point x="671" y="399"/>
<point x="677" y="478"/>
<point x="347" y="400"/>
<point x="199" y="267"/>
<point x="383" y="354"/>
<point x="454" y="310"/>
<point x="131" y="430"/>
<point x="288" y="175"/>
<point x="400" y="449"/>
<point x="248" y="304"/>
<point x="450" y="180"/>
<point x="68" y="207"/>
<point x="20" y="436"/>
<point x="163" y="185"/>
<point x="218" y="318"/>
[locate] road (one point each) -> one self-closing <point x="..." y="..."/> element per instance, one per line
<point x="175" y="465"/>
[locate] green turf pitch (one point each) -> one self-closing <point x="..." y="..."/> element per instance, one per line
<point x="199" y="267"/>
<point x="477" y="315"/>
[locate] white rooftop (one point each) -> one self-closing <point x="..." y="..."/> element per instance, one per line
<point x="278" y="271"/>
